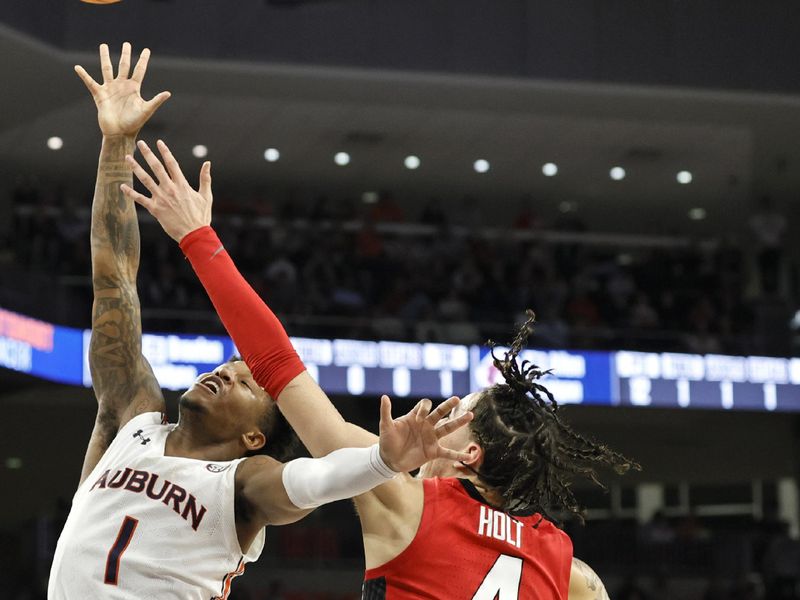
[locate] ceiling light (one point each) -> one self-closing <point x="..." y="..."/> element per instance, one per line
<point x="271" y="154"/>
<point x="684" y="177"/>
<point x="549" y="169"/>
<point x="617" y="173"/>
<point x="411" y="162"/>
<point x="55" y="143"/>
<point x="370" y="197"/>
<point x="697" y="214"/>
<point x="200" y="151"/>
<point x="341" y="159"/>
<point x="481" y="165"/>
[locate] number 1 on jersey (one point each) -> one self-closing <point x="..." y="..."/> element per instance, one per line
<point x="115" y="554"/>
<point x="502" y="580"/>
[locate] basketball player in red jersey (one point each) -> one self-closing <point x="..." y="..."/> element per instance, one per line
<point x="465" y="530"/>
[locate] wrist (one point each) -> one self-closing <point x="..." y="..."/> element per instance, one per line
<point x="381" y="464"/>
<point x="124" y="137"/>
<point x="204" y="232"/>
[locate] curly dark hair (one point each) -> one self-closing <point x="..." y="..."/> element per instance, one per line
<point x="531" y="455"/>
<point x="282" y="441"/>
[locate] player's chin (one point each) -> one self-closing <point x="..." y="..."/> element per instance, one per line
<point x="193" y="401"/>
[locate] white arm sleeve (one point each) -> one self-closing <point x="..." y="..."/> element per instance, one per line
<point x="342" y="474"/>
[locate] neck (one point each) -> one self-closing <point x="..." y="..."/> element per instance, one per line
<point x="490" y="494"/>
<point x="185" y="441"/>
<point x="464" y="472"/>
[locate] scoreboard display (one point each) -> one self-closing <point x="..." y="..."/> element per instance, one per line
<point x="707" y="381"/>
<point x="401" y="369"/>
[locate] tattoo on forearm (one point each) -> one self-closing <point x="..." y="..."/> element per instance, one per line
<point x="119" y="372"/>
<point x="115" y="231"/>
<point x="115" y="350"/>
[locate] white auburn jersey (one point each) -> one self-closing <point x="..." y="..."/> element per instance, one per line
<point x="146" y="526"/>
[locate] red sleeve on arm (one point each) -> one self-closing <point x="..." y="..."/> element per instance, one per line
<point x="256" y="331"/>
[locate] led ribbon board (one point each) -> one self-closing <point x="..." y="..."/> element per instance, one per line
<point x="707" y="381"/>
<point x="365" y="368"/>
<point x="41" y="349"/>
<point x="576" y="378"/>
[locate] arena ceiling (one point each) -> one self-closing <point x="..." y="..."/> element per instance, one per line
<point x="734" y="144"/>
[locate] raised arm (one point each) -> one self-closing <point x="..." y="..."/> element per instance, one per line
<point x="390" y="513"/>
<point x="584" y="584"/>
<point x="123" y="380"/>
<point x="185" y="214"/>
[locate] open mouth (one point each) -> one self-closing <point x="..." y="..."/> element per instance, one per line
<point x="212" y="384"/>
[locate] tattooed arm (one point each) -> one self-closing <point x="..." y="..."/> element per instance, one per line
<point x="122" y="378"/>
<point x="584" y="584"/>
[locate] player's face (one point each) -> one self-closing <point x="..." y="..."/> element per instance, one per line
<point x="459" y="440"/>
<point x="230" y="396"/>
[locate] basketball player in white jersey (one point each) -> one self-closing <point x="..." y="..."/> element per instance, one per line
<point x="176" y="511"/>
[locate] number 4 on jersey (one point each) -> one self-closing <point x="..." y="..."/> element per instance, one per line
<point x="502" y="580"/>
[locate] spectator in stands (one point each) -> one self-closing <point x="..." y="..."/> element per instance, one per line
<point x="690" y="529"/>
<point x="643" y="315"/>
<point x="601" y="294"/>
<point x="387" y="209"/>
<point x="658" y="531"/>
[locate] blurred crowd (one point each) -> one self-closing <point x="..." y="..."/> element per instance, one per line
<point x="369" y="271"/>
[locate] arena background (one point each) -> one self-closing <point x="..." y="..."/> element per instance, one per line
<point x="375" y="251"/>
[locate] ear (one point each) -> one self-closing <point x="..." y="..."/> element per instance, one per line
<point x="475" y="458"/>
<point x="253" y="440"/>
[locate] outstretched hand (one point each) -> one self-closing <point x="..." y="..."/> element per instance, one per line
<point x="179" y="208"/>
<point x="121" y="110"/>
<point x="412" y="440"/>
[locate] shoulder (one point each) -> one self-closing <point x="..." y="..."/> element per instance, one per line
<point x="256" y="466"/>
<point x="151" y="417"/>
<point x="584" y="583"/>
<point x="252" y="479"/>
<point x="142" y="424"/>
<point x="546" y="526"/>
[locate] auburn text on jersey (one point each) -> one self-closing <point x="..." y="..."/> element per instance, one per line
<point x="170" y="494"/>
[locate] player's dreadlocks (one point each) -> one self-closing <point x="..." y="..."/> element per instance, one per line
<point x="530" y="454"/>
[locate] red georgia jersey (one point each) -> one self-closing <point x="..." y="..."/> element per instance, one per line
<point x="466" y="550"/>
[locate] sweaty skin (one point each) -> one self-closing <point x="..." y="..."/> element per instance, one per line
<point x="390" y="513"/>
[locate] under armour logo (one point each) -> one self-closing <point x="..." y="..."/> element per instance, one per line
<point x="139" y="435"/>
